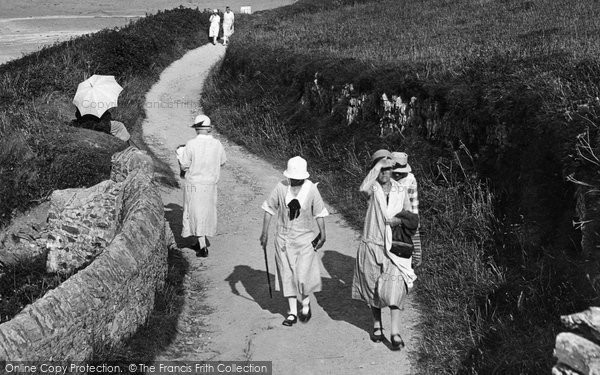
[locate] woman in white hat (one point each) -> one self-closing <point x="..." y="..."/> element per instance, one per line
<point x="382" y="279"/>
<point x="201" y="159"/>
<point x="215" y="21"/>
<point x="298" y="206"/>
<point x="402" y="173"/>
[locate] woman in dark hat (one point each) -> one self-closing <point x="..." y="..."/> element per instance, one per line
<point x="381" y="278"/>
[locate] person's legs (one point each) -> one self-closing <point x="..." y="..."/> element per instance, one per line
<point x="305" y="313"/>
<point x="395" y="337"/>
<point x="377" y="335"/>
<point x="291" y="319"/>
<point x="200" y="247"/>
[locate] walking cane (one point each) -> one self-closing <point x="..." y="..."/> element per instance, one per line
<point x="267" y="266"/>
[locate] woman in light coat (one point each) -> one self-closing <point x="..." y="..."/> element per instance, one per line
<point x="228" y="19"/>
<point x="215" y="21"/>
<point x="298" y="206"/>
<point x="382" y="279"/>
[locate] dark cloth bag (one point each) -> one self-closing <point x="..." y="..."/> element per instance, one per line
<point x="402" y="234"/>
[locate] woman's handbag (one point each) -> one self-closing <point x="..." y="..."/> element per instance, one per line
<point x="402" y="244"/>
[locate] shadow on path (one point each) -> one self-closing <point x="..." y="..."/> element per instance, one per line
<point x="336" y="296"/>
<point x="174" y="216"/>
<point x="255" y="283"/>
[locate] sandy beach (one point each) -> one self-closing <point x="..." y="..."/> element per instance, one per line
<point x="28" y="25"/>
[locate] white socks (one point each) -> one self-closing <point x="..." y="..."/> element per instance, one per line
<point x="305" y="305"/>
<point x="202" y="242"/>
<point x="293" y="305"/>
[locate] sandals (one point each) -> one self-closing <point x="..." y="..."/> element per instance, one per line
<point x="304" y="318"/>
<point x="398" y="343"/>
<point x="377" y="337"/>
<point x="290" y="320"/>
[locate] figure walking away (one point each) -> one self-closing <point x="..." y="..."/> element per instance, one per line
<point x="381" y="278"/>
<point x="215" y="21"/>
<point x="228" y="19"/>
<point x="201" y="159"/>
<point x="298" y="206"/>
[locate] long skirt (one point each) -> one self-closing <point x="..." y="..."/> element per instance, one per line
<point x="298" y="270"/>
<point x="199" y="210"/>
<point x="377" y="280"/>
<point x="227" y="29"/>
<point x="213" y="30"/>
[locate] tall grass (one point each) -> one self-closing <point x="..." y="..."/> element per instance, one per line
<point x="501" y="257"/>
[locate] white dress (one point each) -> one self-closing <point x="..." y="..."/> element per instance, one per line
<point x="298" y="271"/>
<point x="215" y="20"/>
<point x="201" y="158"/>
<point x="228" y="19"/>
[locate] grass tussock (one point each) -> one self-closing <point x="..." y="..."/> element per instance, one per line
<point x="512" y="94"/>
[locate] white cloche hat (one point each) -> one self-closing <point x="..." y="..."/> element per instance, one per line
<point x="296" y="169"/>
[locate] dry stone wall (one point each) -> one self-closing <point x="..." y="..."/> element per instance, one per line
<point x="579" y="354"/>
<point x="109" y="299"/>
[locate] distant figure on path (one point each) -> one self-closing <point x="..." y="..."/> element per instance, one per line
<point x="298" y="204"/>
<point x="213" y="31"/>
<point x="201" y="159"/>
<point x="228" y="19"/>
<point x="381" y="278"/>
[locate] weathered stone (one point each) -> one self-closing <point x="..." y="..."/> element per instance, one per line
<point x="79" y="237"/>
<point x="589" y="318"/>
<point x="578" y="353"/>
<point x="128" y="160"/>
<point x="561" y="369"/>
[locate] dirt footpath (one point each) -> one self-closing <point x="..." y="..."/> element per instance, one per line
<point x="228" y="314"/>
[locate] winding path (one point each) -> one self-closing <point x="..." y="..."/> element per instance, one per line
<point x="227" y="313"/>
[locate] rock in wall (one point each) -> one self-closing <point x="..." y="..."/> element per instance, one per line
<point x="82" y="222"/>
<point x="107" y="301"/>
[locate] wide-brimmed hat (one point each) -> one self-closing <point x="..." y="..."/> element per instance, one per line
<point x="401" y="162"/>
<point x="201" y="121"/>
<point x="380" y="154"/>
<point x="296" y="169"/>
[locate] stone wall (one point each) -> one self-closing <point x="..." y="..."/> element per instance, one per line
<point x="108" y="300"/>
<point x="579" y="354"/>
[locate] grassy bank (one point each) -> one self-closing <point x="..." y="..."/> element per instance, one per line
<point x="40" y="152"/>
<point x="499" y="105"/>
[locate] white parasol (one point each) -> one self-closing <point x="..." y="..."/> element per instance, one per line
<point x="96" y="95"/>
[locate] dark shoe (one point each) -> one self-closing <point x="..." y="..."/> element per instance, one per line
<point x="377" y="337"/>
<point x="290" y="320"/>
<point x="203" y="253"/>
<point x="304" y="318"/>
<point x="397" y="342"/>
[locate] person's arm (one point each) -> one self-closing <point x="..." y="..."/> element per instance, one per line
<point x="413" y="196"/>
<point x="223" y="156"/>
<point x="186" y="158"/>
<point x="319" y="211"/>
<point x="270" y="206"/>
<point x="264" y="236"/>
<point x="321" y="224"/>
